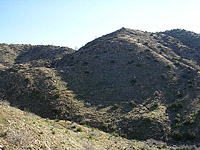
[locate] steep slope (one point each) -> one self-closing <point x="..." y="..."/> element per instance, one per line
<point x="140" y="68"/>
<point x="27" y="79"/>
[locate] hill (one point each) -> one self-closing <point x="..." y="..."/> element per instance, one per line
<point x="24" y="130"/>
<point x="137" y="84"/>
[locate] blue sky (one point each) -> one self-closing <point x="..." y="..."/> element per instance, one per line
<point x="73" y="23"/>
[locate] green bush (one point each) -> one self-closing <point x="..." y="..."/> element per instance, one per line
<point x="58" y="96"/>
<point x="156" y="105"/>
<point x="138" y="65"/>
<point x="115" y="134"/>
<point x="87" y="72"/>
<point x="133" y="104"/>
<point x="148" y="57"/>
<point x="130" y="49"/>
<point x="178" y="94"/>
<point x="189" y="122"/>
<point x="116" y="106"/>
<point x="124" y="135"/>
<point x="85" y="63"/>
<point x="133" y="82"/>
<point x="82" y="122"/>
<point x="176" y="135"/>
<point x="163" y="76"/>
<point x="176" y="106"/>
<point x="176" y="119"/>
<point x="190" y="85"/>
<point x="105" y="125"/>
<point x="79" y="129"/>
<point x="114" y="127"/>
<point x="168" y="66"/>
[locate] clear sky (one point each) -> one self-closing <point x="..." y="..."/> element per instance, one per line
<point x="73" y="23"/>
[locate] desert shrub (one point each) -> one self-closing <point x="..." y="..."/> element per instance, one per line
<point x="53" y="132"/>
<point x="148" y="57"/>
<point x="87" y="72"/>
<point x="163" y="76"/>
<point x="124" y="135"/>
<point x="176" y="119"/>
<point x="144" y="148"/>
<point x="155" y="60"/>
<point x="189" y="82"/>
<point x="116" y="106"/>
<point x="190" y="85"/>
<point x="138" y="65"/>
<point x="58" y="96"/>
<point x="176" y="135"/>
<point x="168" y="66"/>
<point x="57" y="120"/>
<point x="115" y="134"/>
<point x="198" y="88"/>
<point x="176" y="106"/>
<point x="178" y="94"/>
<point x="114" y="127"/>
<point x="189" y="122"/>
<point x="133" y="104"/>
<point x="85" y="63"/>
<point x="156" y="105"/>
<point x="79" y="129"/>
<point x="130" y="62"/>
<point x="133" y="82"/>
<point x="82" y="122"/>
<point x="3" y="134"/>
<point x="27" y="80"/>
<point x="105" y="125"/>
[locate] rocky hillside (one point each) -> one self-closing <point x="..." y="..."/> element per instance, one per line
<point x="137" y="84"/>
<point x="22" y="130"/>
<point x="145" y="77"/>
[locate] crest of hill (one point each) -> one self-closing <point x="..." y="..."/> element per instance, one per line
<point x="131" y="65"/>
<point x="11" y="54"/>
<point x="188" y="38"/>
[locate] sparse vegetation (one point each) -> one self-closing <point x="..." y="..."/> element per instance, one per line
<point x="189" y="122"/>
<point x="176" y="106"/>
<point x="124" y="135"/>
<point x="133" y="82"/>
<point x="116" y="106"/>
<point x="82" y="122"/>
<point x="176" y="135"/>
<point x="133" y="103"/>
<point x="79" y="129"/>
<point x="97" y="85"/>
